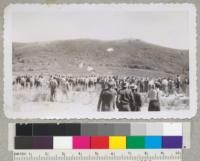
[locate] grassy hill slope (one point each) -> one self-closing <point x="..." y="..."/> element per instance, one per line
<point x="128" y="57"/>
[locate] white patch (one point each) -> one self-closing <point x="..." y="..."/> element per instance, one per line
<point x="89" y="68"/>
<point x="110" y="50"/>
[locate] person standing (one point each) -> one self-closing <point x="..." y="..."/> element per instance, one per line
<point x="165" y="83"/>
<point x="53" y="84"/>
<point x="146" y="85"/>
<point x="153" y="95"/>
<point x="125" y="98"/>
<point x="137" y="98"/>
<point x="186" y="82"/>
<point x="178" y="83"/>
<point x="107" y="98"/>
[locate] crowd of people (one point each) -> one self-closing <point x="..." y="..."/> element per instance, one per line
<point x="127" y="95"/>
<point x="121" y="93"/>
<point x="127" y="98"/>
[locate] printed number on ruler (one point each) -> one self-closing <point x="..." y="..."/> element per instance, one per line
<point x="100" y="155"/>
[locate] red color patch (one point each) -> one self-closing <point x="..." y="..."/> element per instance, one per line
<point x="99" y="142"/>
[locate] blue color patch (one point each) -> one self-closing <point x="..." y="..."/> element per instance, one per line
<point x="172" y="142"/>
<point x="153" y="142"/>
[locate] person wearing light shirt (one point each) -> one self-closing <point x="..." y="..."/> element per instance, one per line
<point x="154" y="96"/>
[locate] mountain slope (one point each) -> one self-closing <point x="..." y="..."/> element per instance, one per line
<point x="123" y="57"/>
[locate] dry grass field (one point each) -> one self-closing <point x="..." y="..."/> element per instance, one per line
<point x="39" y="99"/>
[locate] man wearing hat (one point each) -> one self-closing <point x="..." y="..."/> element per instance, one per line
<point x="154" y="97"/>
<point x="137" y="97"/>
<point x="107" y="98"/>
<point x="125" y="98"/>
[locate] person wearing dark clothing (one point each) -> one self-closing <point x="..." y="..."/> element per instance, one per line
<point x="141" y="85"/>
<point x="125" y="99"/>
<point x="178" y="83"/>
<point x="154" y="97"/>
<point x="146" y="85"/>
<point x="53" y="88"/>
<point x="137" y="98"/>
<point x="107" y="98"/>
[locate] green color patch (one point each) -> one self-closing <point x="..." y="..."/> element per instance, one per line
<point x="135" y="142"/>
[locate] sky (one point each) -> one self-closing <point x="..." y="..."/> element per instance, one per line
<point x="165" y="27"/>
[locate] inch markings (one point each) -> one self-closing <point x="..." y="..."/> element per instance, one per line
<point x="98" y="155"/>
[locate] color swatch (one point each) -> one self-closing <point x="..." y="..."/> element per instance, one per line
<point x="172" y="142"/>
<point x="41" y="142"/>
<point x="99" y="136"/>
<point x="153" y="142"/>
<point x="81" y="142"/>
<point x="135" y="142"/>
<point x="117" y="142"/>
<point x="99" y="142"/>
<point x="62" y="142"/>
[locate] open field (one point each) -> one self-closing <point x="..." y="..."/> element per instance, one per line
<point x="38" y="100"/>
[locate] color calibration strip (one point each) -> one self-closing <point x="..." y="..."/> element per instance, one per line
<point x="100" y="136"/>
<point x="99" y="142"/>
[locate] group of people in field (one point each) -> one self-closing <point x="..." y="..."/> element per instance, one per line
<point x="122" y="93"/>
<point x="125" y="94"/>
<point x="56" y="82"/>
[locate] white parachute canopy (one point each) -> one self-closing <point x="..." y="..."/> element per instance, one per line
<point x="89" y="69"/>
<point x="110" y="50"/>
<point x="80" y="65"/>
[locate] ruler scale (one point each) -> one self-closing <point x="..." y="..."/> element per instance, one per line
<point x="98" y="155"/>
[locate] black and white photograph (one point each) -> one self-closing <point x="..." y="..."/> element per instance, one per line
<point x="100" y="61"/>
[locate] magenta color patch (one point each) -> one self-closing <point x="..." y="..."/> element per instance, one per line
<point x="81" y="142"/>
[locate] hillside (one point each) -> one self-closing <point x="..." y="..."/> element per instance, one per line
<point x="123" y="57"/>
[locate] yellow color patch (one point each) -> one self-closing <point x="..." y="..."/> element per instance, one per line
<point x="117" y="142"/>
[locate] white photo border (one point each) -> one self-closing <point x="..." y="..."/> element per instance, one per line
<point x="181" y="114"/>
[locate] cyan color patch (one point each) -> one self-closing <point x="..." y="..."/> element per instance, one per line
<point x="153" y="142"/>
